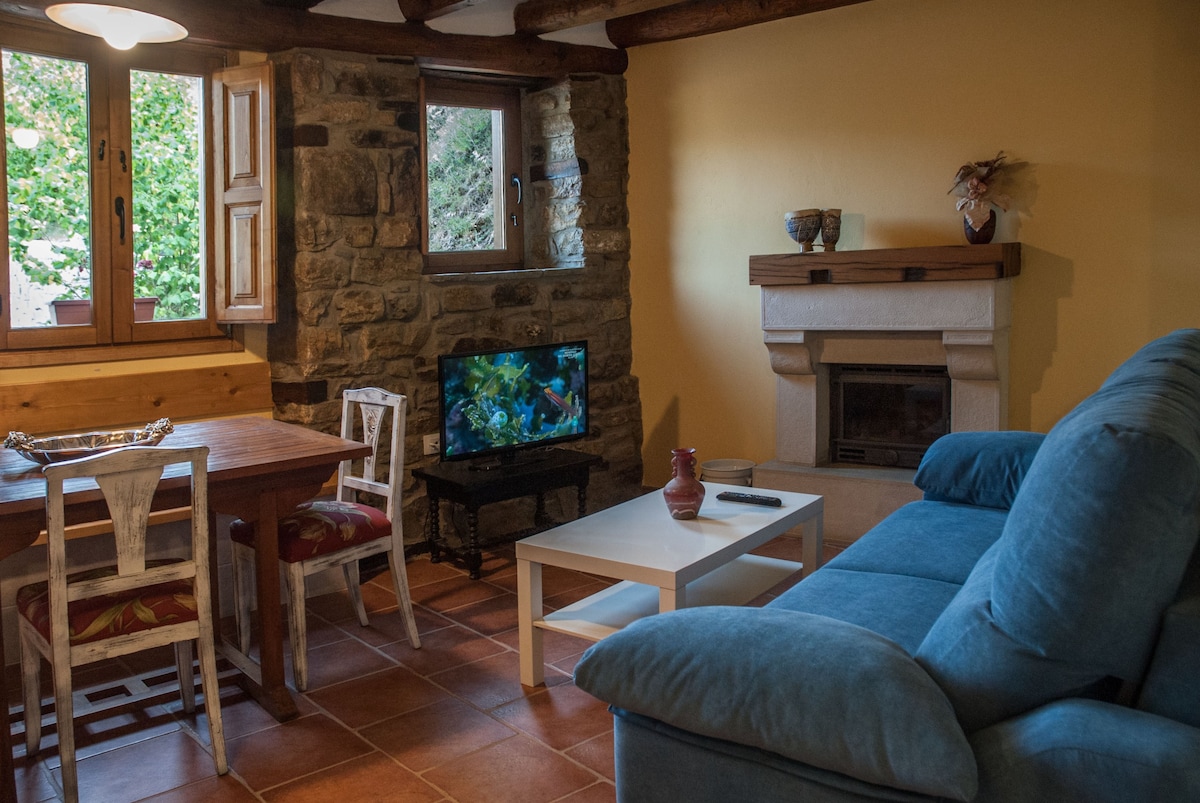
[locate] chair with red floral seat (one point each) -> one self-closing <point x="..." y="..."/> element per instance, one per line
<point x="75" y="619"/>
<point x="323" y="534"/>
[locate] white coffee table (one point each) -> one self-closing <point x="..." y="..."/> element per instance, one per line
<point x="664" y="564"/>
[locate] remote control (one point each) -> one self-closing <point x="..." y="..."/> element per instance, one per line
<point x="750" y="499"/>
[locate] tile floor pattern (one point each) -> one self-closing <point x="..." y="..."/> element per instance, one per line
<point x="381" y="721"/>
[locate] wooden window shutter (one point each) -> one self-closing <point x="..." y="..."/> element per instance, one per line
<point x="244" y="179"/>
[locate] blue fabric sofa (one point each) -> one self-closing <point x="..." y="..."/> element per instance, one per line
<point x="1029" y="631"/>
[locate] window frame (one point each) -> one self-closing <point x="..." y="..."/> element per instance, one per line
<point x="113" y="329"/>
<point x="439" y="89"/>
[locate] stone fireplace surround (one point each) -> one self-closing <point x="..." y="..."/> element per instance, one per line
<point x="886" y="307"/>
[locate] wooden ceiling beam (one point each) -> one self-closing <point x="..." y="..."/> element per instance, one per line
<point x="301" y="4"/>
<point x="546" y="16"/>
<point x="251" y="26"/>
<point x="699" y="17"/>
<point x="425" y="10"/>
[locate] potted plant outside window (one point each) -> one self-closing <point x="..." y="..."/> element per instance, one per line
<point x="144" y="296"/>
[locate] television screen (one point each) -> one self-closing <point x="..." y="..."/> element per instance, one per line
<point x="497" y="402"/>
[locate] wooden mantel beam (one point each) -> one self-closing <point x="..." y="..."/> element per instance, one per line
<point x="932" y="263"/>
<point x="699" y="17"/>
<point x="246" y="25"/>
<point x="546" y="16"/>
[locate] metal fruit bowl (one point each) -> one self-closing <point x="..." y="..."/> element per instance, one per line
<point x="71" y="447"/>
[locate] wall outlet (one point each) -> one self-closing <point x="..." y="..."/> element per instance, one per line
<point x="433" y="444"/>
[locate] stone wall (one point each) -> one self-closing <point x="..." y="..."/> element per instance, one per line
<point x="354" y="307"/>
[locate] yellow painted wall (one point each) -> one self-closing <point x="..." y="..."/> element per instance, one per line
<point x="872" y="108"/>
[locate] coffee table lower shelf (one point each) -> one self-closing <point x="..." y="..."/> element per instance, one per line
<point x="605" y="612"/>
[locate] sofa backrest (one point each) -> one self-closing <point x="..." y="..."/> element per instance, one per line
<point x="1096" y="543"/>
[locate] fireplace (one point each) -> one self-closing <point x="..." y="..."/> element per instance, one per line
<point x="886" y="415"/>
<point x="919" y="328"/>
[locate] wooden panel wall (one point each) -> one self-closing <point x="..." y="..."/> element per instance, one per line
<point x="133" y="400"/>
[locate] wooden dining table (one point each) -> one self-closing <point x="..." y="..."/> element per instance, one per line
<point x="258" y="470"/>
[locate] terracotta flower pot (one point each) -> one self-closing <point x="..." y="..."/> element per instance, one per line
<point x="71" y="311"/>
<point x="143" y="308"/>
<point x="74" y="311"/>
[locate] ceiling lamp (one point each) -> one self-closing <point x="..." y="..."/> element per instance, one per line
<point x="122" y="28"/>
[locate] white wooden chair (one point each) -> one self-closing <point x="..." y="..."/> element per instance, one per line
<point x="322" y="534"/>
<point x="75" y="619"/>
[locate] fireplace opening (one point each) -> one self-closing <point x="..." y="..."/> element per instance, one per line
<point x="886" y="415"/>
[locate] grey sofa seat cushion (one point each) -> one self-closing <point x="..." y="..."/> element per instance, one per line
<point x="1093" y="550"/>
<point x="1086" y="750"/>
<point x="809" y="688"/>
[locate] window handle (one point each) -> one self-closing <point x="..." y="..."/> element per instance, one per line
<point x="516" y="182"/>
<point x="120" y="210"/>
<point x="100" y="151"/>
<point x="124" y="166"/>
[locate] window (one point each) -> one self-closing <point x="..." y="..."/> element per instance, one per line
<point x="115" y="221"/>
<point x="473" y="176"/>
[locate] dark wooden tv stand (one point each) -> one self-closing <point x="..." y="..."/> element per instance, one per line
<point x="472" y="486"/>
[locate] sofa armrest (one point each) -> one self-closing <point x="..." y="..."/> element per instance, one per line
<point x="810" y="688"/>
<point x="1079" y="749"/>
<point x="977" y="468"/>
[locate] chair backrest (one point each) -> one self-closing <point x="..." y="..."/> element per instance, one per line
<point x="372" y="405"/>
<point x="128" y="479"/>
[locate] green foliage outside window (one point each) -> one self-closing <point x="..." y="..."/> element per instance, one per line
<point x="460" y="178"/>
<point x="166" y="191"/>
<point x="49" y="185"/>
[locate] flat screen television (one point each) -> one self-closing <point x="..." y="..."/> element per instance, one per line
<point x="505" y="402"/>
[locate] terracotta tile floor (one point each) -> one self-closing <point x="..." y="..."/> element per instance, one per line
<point x="381" y="721"/>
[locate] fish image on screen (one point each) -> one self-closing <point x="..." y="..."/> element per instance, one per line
<point x="498" y="403"/>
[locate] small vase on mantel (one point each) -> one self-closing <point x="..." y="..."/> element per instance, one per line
<point x="684" y="493"/>
<point x="986" y="227"/>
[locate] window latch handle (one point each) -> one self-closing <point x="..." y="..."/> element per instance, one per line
<point x="124" y="166"/>
<point x="100" y="150"/>
<point x="516" y="182"/>
<point x="120" y="210"/>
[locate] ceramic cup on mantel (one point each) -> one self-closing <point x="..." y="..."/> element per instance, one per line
<point x="831" y="228"/>
<point x="803" y="226"/>
<point x="683" y="494"/>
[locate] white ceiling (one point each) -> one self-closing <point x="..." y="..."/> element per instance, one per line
<point x="482" y="18"/>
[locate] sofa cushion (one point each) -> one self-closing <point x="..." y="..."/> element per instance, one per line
<point x="1090" y="751"/>
<point x="970" y="656"/>
<point x="899" y="577"/>
<point x="1093" y="551"/>
<point x="896" y="606"/>
<point x="809" y="688"/>
<point x="1171" y="688"/>
<point x="977" y="468"/>
<point x="934" y="540"/>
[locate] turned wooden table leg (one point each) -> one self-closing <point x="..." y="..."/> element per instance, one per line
<point x="474" y="558"/>
<point x="432" y="528"/>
